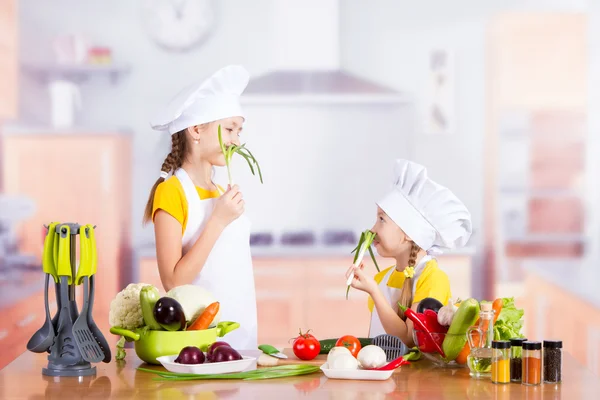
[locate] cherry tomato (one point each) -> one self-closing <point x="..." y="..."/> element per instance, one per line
<point x="306" y="347"/>
<point x="351" y="343"/>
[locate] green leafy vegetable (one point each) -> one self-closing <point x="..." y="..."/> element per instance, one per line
<point x="364" y="243"/>
<point x="510" y="321"/>
<point x="229" y="151"/>
<point x="283" y="371"/>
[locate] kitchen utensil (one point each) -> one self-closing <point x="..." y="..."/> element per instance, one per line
<point x="150" y="344"/>
<point x="88" y="346"/>
<point x="360" y="374"/>
<point x="65" y="359"/>
<point x="89" y="230"/>
<point x="272" y="351"/>
<point x="41" y="340"/>
<point x="392" y="345"/>
<point x="224" y="367"/>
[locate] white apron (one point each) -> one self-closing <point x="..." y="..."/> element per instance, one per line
<point x="227" y="273"/>
<point x="392" y="295"/>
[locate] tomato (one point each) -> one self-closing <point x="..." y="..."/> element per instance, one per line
<point x="351" y="343"/>
<point x="306" y="346"/>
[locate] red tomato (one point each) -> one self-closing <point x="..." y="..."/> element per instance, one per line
<point x="306" y="347"/>
<point x="351" y="343"/>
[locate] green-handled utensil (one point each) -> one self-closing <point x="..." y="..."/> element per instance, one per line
<point x="88" y="346"/>
<point x="63" y="351"/>
<point x="89" y="231"/>
<point x="43" y="338"/>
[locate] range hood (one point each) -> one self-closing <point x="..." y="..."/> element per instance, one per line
<point x="306" y="60"/>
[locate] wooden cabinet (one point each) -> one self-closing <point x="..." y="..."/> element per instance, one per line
<point x="18" y="323"/>
<point x="84" y="178"/>
<point x="309" y="292"/>
<point x="8" y="59"/>
<point x="552" y="312"/>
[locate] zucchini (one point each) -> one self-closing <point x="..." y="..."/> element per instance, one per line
<point x="148" y="298"/>
<point x="464" y="318"/>
<point x="328" y="344"/>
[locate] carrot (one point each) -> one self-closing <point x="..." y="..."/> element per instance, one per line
<point x="464" y="353"/>
<point x="497" y="306"/>
<point x="205" y="319"/>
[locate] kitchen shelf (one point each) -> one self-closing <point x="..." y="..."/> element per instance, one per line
<point x="76" y="73"/>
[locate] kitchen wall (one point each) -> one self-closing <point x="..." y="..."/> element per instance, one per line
<point x="401" y="34"/>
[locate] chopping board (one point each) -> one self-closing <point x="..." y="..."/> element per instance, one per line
<point x="292" y="359"/>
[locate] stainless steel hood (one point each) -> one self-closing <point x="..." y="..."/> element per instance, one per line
<point x="306" y="60"/>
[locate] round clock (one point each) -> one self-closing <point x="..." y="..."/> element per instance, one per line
<point x="178" y="25"/>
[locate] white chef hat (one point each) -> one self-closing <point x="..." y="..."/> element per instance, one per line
<point x="215" y="98"/>
<point x="430" y="214"/>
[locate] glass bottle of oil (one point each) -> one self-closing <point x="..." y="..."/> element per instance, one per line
<point x="480" y="340"/>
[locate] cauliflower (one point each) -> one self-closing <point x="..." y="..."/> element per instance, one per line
<point x="125" y="309"/>
<point x="193" y="299"/>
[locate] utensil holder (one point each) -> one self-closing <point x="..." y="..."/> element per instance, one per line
<point x="65" y="358"/>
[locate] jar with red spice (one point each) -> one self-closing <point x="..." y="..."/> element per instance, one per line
<point x="532" y="363"/>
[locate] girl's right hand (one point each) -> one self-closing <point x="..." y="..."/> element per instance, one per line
<point x="229" y="206"/>
<point x="361" y="280"/>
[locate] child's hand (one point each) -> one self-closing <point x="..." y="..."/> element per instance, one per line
<point x="229" y="206"/>
<point x="361" y="280"/>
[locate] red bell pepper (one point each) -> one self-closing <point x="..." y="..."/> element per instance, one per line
<point x="421" y="323"/>
<point x="398" y="362"/>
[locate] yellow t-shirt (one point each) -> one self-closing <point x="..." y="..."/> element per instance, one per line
<point x="170" y="197"/>
<point x="433" y="282"/>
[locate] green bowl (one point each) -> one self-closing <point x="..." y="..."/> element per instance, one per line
<point x="150" y="344"/>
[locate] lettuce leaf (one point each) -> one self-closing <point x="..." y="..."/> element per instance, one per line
<point x="510" y="321"/>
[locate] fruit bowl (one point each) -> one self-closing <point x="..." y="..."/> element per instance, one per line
<point x="430" y="353"/>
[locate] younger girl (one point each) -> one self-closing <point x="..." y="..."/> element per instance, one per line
<point x="202" y="236"/>
<point x="416" y="220"/>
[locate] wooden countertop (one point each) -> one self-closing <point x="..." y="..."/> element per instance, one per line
<point x="23" y="379"/>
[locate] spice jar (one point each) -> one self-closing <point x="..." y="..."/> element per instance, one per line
<point x="516" y="363"/>
<point x="552" y="361"/>
<point x="500" y="361"/>
<point x="532" y="363"/>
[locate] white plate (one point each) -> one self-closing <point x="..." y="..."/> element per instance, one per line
<point x="225" y="367"/>
<point x="358" y="374"/>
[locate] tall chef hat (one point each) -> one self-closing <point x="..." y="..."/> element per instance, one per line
<point x="430" y="214"/>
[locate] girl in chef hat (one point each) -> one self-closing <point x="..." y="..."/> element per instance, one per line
<point x="416" y="220"/>
<point x="202" y="235"/>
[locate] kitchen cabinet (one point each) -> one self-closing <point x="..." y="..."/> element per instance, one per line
<point x="309" y="292"/>
<point x="19" y="321"/>
<point x="553" y="312"/>
<point x="8" y="60"/>
<point x="536" y="144"/>
<point x="82" y="177"/>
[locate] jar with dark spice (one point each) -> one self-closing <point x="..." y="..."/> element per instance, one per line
<point x="516" y="362"/>
<point x="552" y="361"/>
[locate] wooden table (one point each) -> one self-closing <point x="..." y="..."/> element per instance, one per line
<point x="22" y="379"/>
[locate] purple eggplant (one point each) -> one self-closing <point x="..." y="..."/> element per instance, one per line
<point x="169" y="314"/>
